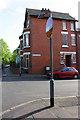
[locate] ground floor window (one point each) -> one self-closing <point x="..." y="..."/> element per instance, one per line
<point x="62" y="59"/>
<point x="74" y="58"/>
<point x="27" y="61"/>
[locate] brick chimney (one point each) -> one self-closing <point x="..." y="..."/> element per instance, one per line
<point x="46" y="11"/>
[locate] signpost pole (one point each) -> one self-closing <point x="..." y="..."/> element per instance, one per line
<point x="51" y="80"/>
<point x="49" y="27"/>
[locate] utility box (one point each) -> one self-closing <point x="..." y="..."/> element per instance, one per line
<point x="47" y="69"/>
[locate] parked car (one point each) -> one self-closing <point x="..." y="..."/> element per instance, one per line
<point x="66" y="72"/>
<point x="6" y="66"/>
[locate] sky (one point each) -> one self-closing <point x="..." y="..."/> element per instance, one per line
<point x="12" y="15"/>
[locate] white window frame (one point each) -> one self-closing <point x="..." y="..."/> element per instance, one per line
<point x="27" y="61"/>
<point x="26" y="54"/>
<point x="27" y="39"/>
<point x="27" y="45"/>
<point x="65" y="33"/>
<point x="72" y="26"/>
<point x="74" y="59"/>
<point x="61" y="59"/>
<point x="73" y="39"/>
<point x="72" y="56"/>
<point x="64" y="25"/>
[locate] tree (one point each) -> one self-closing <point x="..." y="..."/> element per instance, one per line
<point x="14" y="55"/>
<point x="4" y="52"/>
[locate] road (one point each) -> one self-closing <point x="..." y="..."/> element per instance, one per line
<point x="18" y="90"/>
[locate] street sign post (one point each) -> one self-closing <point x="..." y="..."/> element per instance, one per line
<point x="49" y="28"/>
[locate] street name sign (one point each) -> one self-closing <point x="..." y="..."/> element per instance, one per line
<point x="49" y="26"/>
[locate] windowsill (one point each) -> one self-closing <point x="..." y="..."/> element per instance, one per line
<point x="21" y="50"/>
<point x="64" y="29"/>
<point x="25" y="68"/>
<point x="72" y="30"/>
<point x="73" y="45"/>
<point x="65" y="46"/>
<point x="62" y="63"/>
<point x="26" y="47"/>
<point x="74" y="63"/>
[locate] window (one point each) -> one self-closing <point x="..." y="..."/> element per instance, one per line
<point x="64" y="39"/>
<point x="64" y="25"/>
<point x="72" y="26"/>
<point x="64" y="69"/>
<point x="27" y="23"/>
<point x="71" y="69"/>
<point x="73" y="39"/>
<point x="21" y="45"/>
<point x="27" y="61"/>
<point x="27" y="40"/>
<point x="62" y="59"/>
<point x="74" y="58"/>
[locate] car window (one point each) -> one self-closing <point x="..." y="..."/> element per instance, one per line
<point x="71" y="69"/>
<point x="64" y="69"/>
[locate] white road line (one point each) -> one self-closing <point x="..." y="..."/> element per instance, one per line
<point x="66" y="80"/>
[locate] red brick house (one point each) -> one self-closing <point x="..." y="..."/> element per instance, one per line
<point x="78" y="49"/>
<point x="35" y="45"/>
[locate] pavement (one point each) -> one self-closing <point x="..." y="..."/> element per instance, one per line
<point x="40" y="108"/>
<point x="64" y="107"/>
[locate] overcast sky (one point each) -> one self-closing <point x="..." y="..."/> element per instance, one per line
<point x="12" y="13"/>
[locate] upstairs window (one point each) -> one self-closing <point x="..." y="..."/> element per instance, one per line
<point x="64" y="40"/>
<point x="64" y="25"/>
<point x="72" y="26"/>
<point x="27" y="40"/>
<point x="73" y="39"/>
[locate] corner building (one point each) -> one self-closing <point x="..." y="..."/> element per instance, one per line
<point x="35" y="45"/>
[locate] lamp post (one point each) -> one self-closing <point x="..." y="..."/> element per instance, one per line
<point x="49" y="27"/>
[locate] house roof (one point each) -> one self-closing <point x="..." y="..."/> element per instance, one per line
<point x="56" y="15"/>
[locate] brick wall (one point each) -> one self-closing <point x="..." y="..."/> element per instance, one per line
<point x="40" y="44"/>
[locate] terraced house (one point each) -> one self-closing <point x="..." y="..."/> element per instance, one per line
<point x="78" y="49"/>
<point x="35" y="45"/>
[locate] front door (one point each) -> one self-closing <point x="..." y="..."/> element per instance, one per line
<point x="68" y="60"/>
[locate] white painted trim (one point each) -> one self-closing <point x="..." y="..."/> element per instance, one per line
<point x="64" y="32"/>
<point x="21" y="55"/>
<point x="73" y="44"/>
<point x="25" y="68"/>
<point x="72" y="34"/>
<point x="67" y="53"/>
<point x="21" y="50"/>
<point x="66" y="46"/>
<point x="26" y="53"/>
<point x="26" y="47"/>
<point x="26" y="32"/>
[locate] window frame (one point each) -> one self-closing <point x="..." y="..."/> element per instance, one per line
<point x="72" y="26"/>
<point x="73" y="39"/>
<point x="74" y="58"/>
<point x="64" y="25"/>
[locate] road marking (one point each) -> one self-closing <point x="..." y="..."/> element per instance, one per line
<point x="66" y="80"/>
<point x="23" y="104"/>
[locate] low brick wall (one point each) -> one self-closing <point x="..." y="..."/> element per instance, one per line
<point x="15" y="70"/>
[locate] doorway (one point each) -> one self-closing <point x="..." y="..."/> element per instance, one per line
<point x="68" y="60"/>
